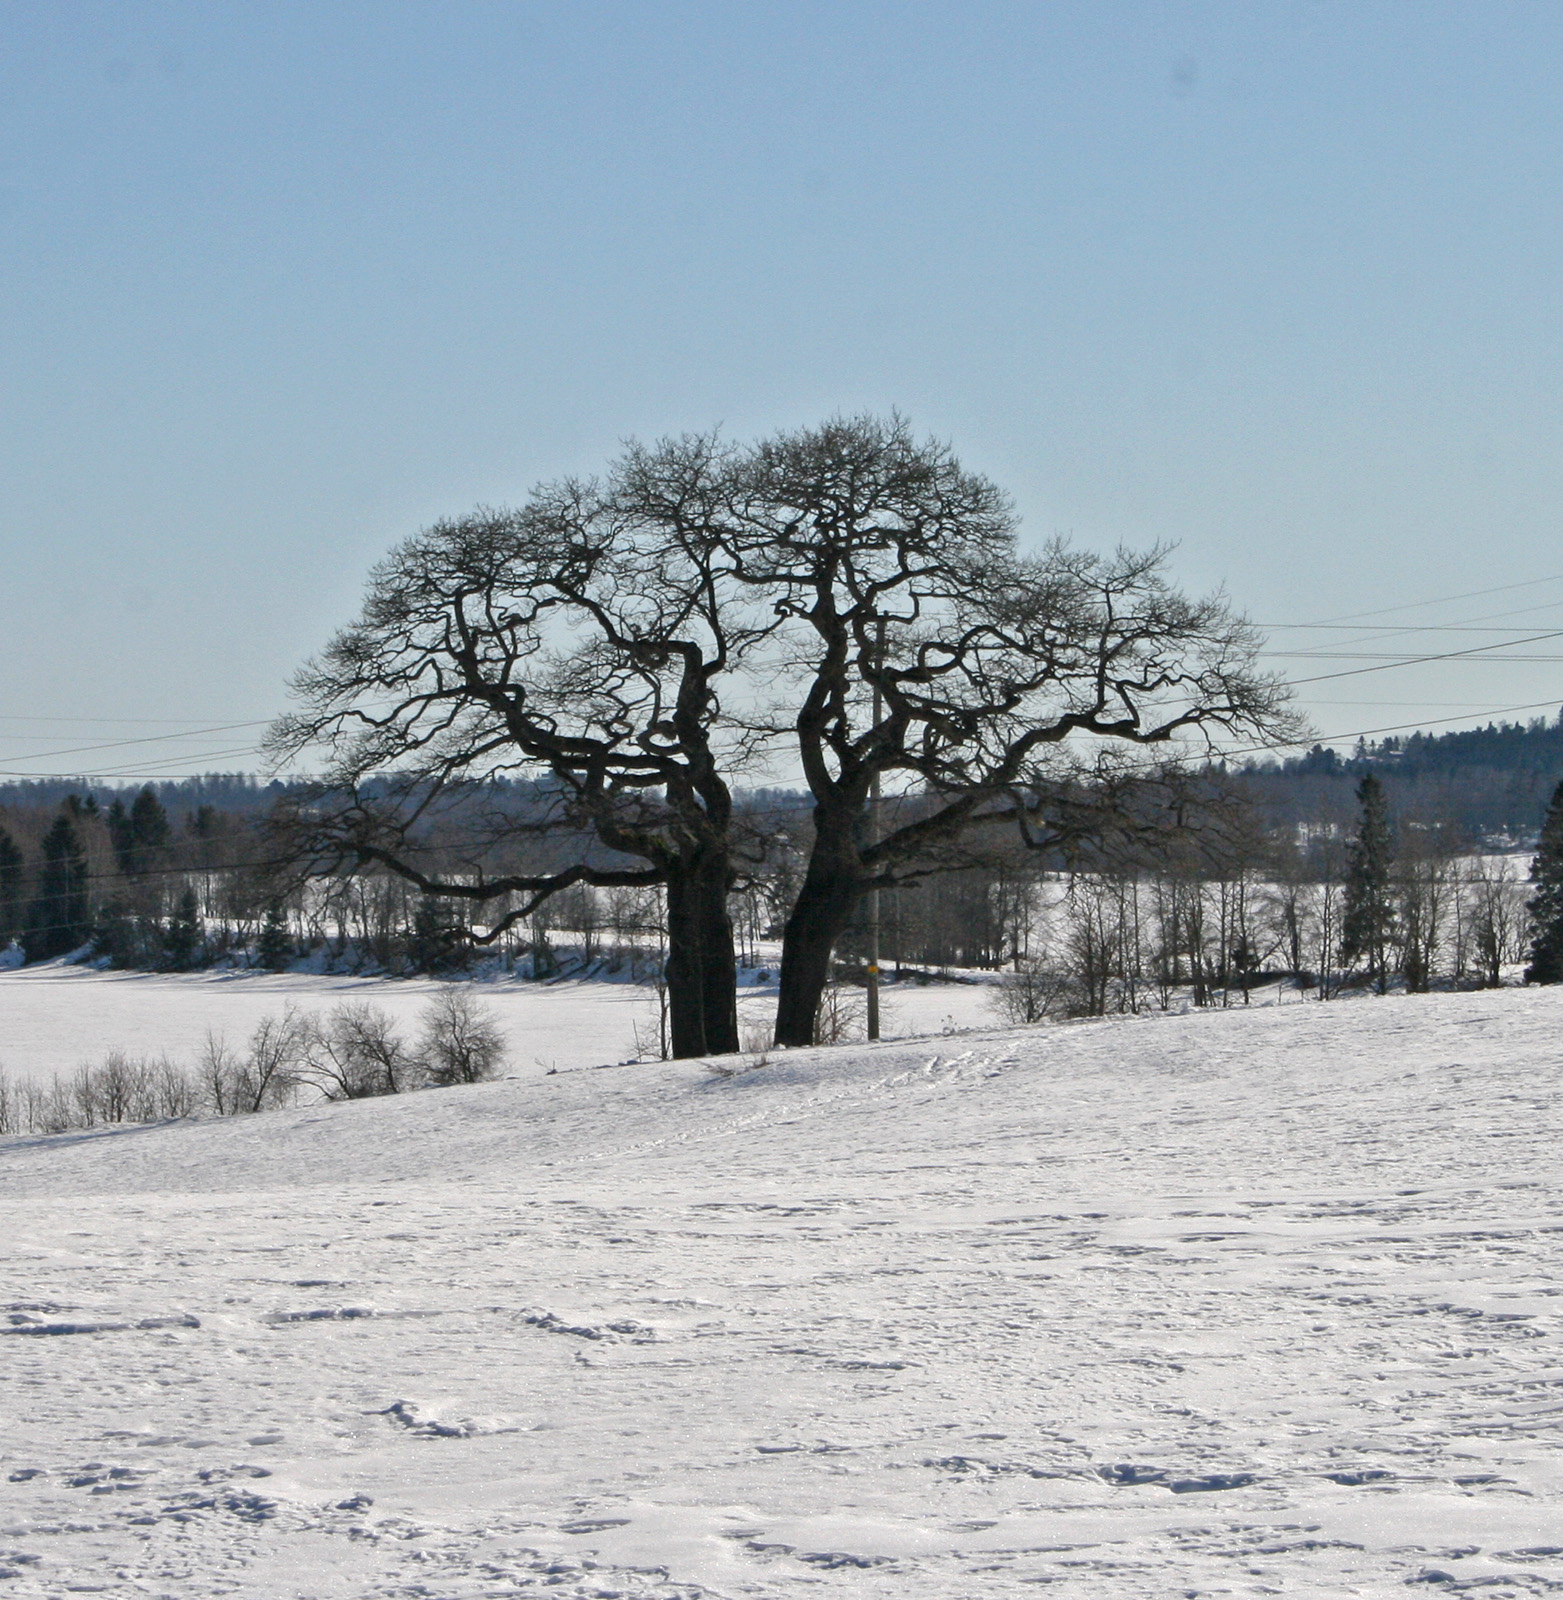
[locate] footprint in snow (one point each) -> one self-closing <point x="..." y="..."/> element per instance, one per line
<point x="428" y="1425"/>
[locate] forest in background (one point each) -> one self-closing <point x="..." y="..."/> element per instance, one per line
<point x="183" y="874"/>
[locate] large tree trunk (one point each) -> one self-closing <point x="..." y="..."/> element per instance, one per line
<point x="824" y="910"/>
<point x="702" y="970"/>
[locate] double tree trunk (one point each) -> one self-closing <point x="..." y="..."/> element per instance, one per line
<point x="702" y="969"/>
<point x="825" y="907"/>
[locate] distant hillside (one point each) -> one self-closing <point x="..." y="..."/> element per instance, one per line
<point x="1489" y="782"/>
<point x="223" y="791"/>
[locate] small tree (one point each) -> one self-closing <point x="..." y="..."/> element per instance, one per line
<point x="356" y="1053"/>
<point x="1546" y="905"/>
<point x="1423" y="889"/>
<point x="1368" y="912"/>
<point x="461" y="1041"/>
<point x="1032" y="992"/>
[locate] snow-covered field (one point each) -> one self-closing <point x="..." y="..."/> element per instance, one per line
<point x="56" y="1017"/>
<point x="1253" y="1302"/>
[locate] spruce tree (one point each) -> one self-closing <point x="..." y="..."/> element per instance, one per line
<point x="183" y="939"/>
<point x="1368" y="913"/>
<point x="1546" y="905"/>
<point x="121" y="836"/>
<point x="274" y="948"/>
<point x="11" y="866"/>
<point x="59" y="921"/>
<point x="149" y="831"/>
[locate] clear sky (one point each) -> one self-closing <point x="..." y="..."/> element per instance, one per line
<point x="281" y="282"/>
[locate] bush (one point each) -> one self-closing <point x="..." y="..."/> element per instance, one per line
<point x="1032" y="993"/>
<point x="356" y="1053"/>
<point x="352" y="1053"/>
<point x="461" y="1040"/>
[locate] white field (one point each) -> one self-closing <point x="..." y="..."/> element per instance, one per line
<point x="1241" y="1303"/>
<point x="54" y="1017"/>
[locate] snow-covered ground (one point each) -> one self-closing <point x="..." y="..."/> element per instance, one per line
<point x="55" y="1017"/>
<point x="1238" y="1303"/>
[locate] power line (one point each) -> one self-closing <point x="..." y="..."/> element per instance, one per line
<point x="1501" y="711"/>
<point x="1415" y="661"/>
<point x="1431" y="627"/>
<point x="1398" y="660"/>
<point x="1385" y="629"/>
<point x="195" y="725"/>
<point x="118" y="744"/>
<point x="134" y="771"/>
<point x="1479" y="706"/>
<point x="1470" y="594"/>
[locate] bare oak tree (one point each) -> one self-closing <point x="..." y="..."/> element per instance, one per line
<point x="932" y="653"/>
<point x="846" y="593"/>
<point x="582" y="638"/>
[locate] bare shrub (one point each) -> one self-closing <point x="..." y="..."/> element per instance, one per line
<point x="842" y="1014"/>
<point x="273" y="1067"/>
<point x="356" y="1053"/>
<point x="171" y="1092"/>
<point x="461" y="1040"/>
<point x="219" y="1074"/>
<point x="50" y="1109"/>
<point x="1032" y="993"/>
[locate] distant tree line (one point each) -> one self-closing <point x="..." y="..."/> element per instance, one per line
<point x="1489" y="783"/>
<point x="1205" y="911"/>
<point x="140" y="885"/>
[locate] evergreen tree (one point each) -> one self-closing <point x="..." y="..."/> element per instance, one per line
<point x="149" y="831"/>
<point x="274" y="948"/>
<point x="121" y="836"/>
<point x="436" y="941"/>
<point x="10" y="888"/>
<point x="1546" y="905"/>
<point x="183" y="938"/>
<point x="59" y="921"/>
<point x="1368" y="913"/>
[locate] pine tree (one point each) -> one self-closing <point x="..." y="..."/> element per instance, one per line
<point x="1546" y="905"/>
<point x="436" y="942"/>
<point x="1368" y="913"/>
<point x="59" y="921"/>
<point x="11" y="866"/>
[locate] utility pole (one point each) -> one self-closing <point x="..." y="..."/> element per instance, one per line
<point x="873" y="838"/>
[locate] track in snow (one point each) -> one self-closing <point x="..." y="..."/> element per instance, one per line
<point x="1237" y="1303"/>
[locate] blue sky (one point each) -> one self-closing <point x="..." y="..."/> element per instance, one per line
<point x="279" y="283"/>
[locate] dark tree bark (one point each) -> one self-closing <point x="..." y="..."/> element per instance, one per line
<point x="702" y="992"/>
<point x="827" y="902"/>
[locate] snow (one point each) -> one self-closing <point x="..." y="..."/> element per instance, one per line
<point x="1248" y="1302"/>
<point x="54" y="1017"/>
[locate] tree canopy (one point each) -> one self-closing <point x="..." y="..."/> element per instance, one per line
<point x="845" y="602"/>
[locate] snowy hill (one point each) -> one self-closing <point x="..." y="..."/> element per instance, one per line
<point x="1245" y="1302"/>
